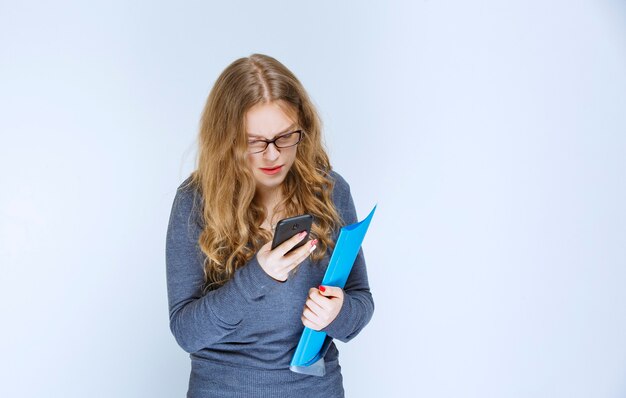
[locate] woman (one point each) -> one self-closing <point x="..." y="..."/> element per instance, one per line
<point x="235" y="305"/>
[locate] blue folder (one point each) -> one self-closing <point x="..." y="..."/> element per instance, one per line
<point x="309" y="355"/>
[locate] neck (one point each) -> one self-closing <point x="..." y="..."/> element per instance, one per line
<point x="269" y="198"/>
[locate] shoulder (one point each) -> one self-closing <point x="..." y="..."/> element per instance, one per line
<point x="341" y="189"/>
<point x="342" y="198"/>
<point x="187" y="200"/>
<point x="186" y="186"/>
<point x="337" y="178"/>
<point x="185" y="193"/>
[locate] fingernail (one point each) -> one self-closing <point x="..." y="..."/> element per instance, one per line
<point x="302" y="234"/>
<point x="313" y="242"/>
<point x="322" y="288"/>
<point x="311" y="249"/>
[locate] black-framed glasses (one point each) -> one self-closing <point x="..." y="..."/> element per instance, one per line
<point x="282" y="141"/>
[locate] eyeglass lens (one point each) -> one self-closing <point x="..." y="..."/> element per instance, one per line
<point x="283" y="141"/>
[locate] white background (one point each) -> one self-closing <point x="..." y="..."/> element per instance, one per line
<point x="491" y="134"/>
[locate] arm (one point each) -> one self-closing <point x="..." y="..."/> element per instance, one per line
<point x="198" y="321"/>
<point x="358" y="305"/>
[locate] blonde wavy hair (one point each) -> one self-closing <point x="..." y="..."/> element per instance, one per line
<point x="231" y="216"/>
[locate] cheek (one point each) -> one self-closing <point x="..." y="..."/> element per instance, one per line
<point x="250" y="161"/>
<point x="291" y="157"/>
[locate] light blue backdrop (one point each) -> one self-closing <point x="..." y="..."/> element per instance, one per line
<point x="490" y="133"/>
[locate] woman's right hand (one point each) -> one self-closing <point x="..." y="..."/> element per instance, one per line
<point x="277" y="264"/>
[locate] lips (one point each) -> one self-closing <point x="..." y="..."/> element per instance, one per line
<point x="271" y="170"/>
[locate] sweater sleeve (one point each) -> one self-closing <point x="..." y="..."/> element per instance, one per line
<point x="197" y="321"/>
<point x="358" y="304"/>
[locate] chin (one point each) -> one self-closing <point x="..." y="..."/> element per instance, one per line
<point x="269" y="183"/>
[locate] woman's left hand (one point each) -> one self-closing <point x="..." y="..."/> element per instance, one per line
<point x="322" y="306"/>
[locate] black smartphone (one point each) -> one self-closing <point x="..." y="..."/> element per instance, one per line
<point x="288" y="227"/>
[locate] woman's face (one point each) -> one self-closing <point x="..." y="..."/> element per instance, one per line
<point x="270" y="167"/>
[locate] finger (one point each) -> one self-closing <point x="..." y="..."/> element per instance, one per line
<point x="310" y="324"/>
<point x="290" y="243"/>
<point x="321" y="301"/>
<point x="304" y="251"/>
<point x="330" y="291"/>
<point x="298" y="256"/>
<point x="266" y="247"/>
<point x="314" y="307"/>
<point x="308" y="314"/>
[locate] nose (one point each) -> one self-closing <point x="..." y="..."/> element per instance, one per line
<point x="271" y="152"/>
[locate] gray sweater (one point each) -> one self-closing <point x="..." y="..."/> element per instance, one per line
<point x="241" y="337"/>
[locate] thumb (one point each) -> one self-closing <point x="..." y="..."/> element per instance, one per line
<point x="266" y="247"/>
<point x="330" y="291"/>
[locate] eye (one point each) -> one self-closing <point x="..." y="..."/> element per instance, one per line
<point x="289" y="139"/>
<point x="285" y="136"/>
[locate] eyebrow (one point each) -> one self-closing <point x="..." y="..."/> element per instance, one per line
<point x="275" y="135"/>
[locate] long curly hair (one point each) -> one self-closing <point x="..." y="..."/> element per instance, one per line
<point x="231" y="216"/>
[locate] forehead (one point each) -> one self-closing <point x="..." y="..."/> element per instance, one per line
<point x="268" y="120"/>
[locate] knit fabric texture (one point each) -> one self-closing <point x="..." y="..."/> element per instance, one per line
<point x="241" y="337"/>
